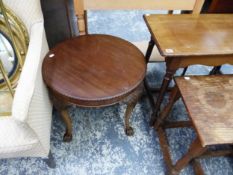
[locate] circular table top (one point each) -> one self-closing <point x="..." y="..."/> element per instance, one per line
<point x="94" y="70"/>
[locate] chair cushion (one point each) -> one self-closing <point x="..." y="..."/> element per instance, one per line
<point x="15" y="136"/>
<point x="143" y="45"/>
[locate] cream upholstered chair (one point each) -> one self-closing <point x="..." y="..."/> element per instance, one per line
<point x="26" y="133"/>
<point x="81" y="6"/>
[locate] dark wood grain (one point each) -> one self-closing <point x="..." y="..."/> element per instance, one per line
<point x="94" y="70"/>
<point x="192" y="35"/>
<point x="221" y="6"/>
<point x="209" y="101"/>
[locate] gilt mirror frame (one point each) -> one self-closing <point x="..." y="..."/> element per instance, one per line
<point x="14" y="30"/>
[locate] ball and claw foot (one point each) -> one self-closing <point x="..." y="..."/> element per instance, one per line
<point x="129" y="131"/>
<point x="67" y="137"/>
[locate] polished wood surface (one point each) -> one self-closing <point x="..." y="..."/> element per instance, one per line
<point x="185" y="35"/>
<point x="185" y="44"/>
<point x="83" y="5"/>
<point x="209" y="101"/>
<point x="94" y="70"/>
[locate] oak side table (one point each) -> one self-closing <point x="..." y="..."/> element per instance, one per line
<point x="189" y="39"/>
<point x="94" y="71"/>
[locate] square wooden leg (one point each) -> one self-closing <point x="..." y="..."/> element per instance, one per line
<point x="195" y="150"/>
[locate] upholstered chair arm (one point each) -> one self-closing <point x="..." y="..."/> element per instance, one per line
<point x="32" y="66"/>
<point x="31" y="103"/>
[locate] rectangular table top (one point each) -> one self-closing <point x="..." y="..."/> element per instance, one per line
<point x="209" y="102"/>
<point x="192" y="34"/>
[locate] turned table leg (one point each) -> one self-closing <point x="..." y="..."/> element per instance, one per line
<point x="131" y="102"/>
<point x="175" y="95"/>
<point x="166" y="81"/>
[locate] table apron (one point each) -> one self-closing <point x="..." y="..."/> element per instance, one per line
<point x="181" y="62"/>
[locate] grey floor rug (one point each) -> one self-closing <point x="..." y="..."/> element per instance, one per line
<point x="100" y="146"/>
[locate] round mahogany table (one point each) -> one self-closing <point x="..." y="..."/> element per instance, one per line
<point x="94" y="71"/>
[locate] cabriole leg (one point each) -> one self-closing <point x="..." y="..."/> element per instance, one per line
<point x="67" y="120"/>
<point x="131" y="102"/>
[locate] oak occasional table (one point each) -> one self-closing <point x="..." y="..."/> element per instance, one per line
<point x="189" y="39"/>
<point x="209" y="102"/>
<point x="94" y="71"/>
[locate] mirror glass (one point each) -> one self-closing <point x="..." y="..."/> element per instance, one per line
<point x="7" y="56"/>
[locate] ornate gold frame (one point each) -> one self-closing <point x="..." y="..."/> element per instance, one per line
<point x="12" y="27"/>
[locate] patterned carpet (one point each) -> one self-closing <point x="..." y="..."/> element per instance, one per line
<point x="100" y="146"/>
